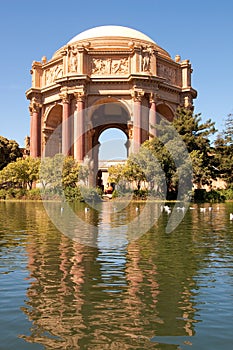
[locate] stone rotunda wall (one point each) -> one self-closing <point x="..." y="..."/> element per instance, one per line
<point x="104" y="65"/>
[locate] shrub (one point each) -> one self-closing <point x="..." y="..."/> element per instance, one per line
<point x="91" y="194"/>
<point x="72" y="194"/>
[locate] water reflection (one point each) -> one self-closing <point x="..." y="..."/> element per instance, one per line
<point x="142" y="295"/>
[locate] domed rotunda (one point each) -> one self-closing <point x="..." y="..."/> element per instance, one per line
<point x="104" y="77"/>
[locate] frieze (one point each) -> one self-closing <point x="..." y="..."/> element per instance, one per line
<point x="168" y="73"/>
<point x="53" y="73"/>
<point x="110" y="66"/>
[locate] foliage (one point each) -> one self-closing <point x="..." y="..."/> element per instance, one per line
<point x="196" y="136"/>
<point x="60" y="172"/>
<point x="9" y="151"/>
<point x="228" y="193"/>
<point x="201" y="196"/>
<point x="72" y="194"/>
<point x="91" y="194"/>
<point x="224" y="151"/>
<point x="21" y="173"/>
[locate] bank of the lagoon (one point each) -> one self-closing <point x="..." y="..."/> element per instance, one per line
<point x="159" y="291"/>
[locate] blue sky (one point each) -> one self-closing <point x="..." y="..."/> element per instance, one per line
<point x="201" y="31"/>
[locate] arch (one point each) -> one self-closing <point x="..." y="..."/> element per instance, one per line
<point x="109" y="100"/>
<point x="113" y="136"/>
<point x="166" y="111"/>
<point x="53" y="115"/>
<point x="51" y="127"/>
<point x="109" y="114"/>
<point x="113" y="150"/>
<point x="106" y="113"/>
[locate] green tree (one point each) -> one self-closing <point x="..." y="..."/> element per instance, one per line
<point x="21" y="173"/>
<point x="60" y="172"/>
<point x="9" y="151"/>
<point x="224" y="151"/>
<point x="196" y="136"/>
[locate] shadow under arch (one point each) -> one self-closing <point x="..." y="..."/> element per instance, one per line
<point x="53" y="119"/>
<point x="163" y="109"/>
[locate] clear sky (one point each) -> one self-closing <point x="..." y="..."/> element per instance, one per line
<point x="201" y="31"/>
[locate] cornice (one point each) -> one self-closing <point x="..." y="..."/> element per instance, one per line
<point x="170" y="88"/>
<point x="109" y="52"/>
<point x="33" y="92"/>
<point x="52" y="62"/>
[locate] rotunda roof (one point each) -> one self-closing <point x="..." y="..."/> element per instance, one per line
<point x="111" y="31"/>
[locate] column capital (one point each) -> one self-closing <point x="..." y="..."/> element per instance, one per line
<point x="34" y="106"/>
<point x="137" y="95"/>
<point x="154" y="97"/>
<point x="65" y="97"/>
<point x="80" y="96"/>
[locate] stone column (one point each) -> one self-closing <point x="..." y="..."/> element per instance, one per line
<point x="130" y="138"/>
<point x="137" y="123"/>
<point x="66" y="144"/>
<point x="79" y="139"/>
<point x="152" y="117"/>
<point x="35" y="128"/>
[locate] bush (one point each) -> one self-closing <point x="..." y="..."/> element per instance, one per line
<point x="3" y="194"/>
<point x="228" y="193"/>
<point x="72" y="194"/>
<point x="140" y="194"/>
<point x="34" y="194"/>
<point x="201" y="195"/>
<point x="89" y="195"/>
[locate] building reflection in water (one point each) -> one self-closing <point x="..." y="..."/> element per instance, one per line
<point x="100" y="297"/>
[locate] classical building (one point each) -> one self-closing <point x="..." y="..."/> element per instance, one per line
<point x="108" y="76"/>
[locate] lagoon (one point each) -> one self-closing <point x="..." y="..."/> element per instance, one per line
<point x="157" y="290"/>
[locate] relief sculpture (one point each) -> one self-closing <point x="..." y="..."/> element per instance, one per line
<point x="110" y="66"/>
<point x="167" y="72"/>
<point x="73" y="60"/>
<point x="146" y="58"/>
<point x="53" y="73"/>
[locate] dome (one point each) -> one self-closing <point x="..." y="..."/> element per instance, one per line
<point x="111" y="31"/>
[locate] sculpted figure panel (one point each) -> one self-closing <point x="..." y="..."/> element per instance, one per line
<point x="73" y="59"/>
<point x="167" y="72"/>
<point x="53" y="73"/>
<point x="110" y="66"/>
<point x="146" y="53"/>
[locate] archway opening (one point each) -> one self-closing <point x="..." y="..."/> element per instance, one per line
<point x="113" y="145"/>
<point x="51" y="129"/>
<point x="113" y="150"/>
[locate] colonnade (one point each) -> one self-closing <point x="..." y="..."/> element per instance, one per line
<point x="73" y="134"/>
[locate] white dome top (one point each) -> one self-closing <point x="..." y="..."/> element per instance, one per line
<point x="110" y="31"/>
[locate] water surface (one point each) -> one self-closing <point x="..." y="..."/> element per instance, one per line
<point x="160" y="291"/>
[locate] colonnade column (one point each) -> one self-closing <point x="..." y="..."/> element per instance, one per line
<point x="137" y="123"/>
<point x="65" y="124"/>
<point x="79" y="139"/>
<point x="152" y="117"/>
<point x="35" y="128"/>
